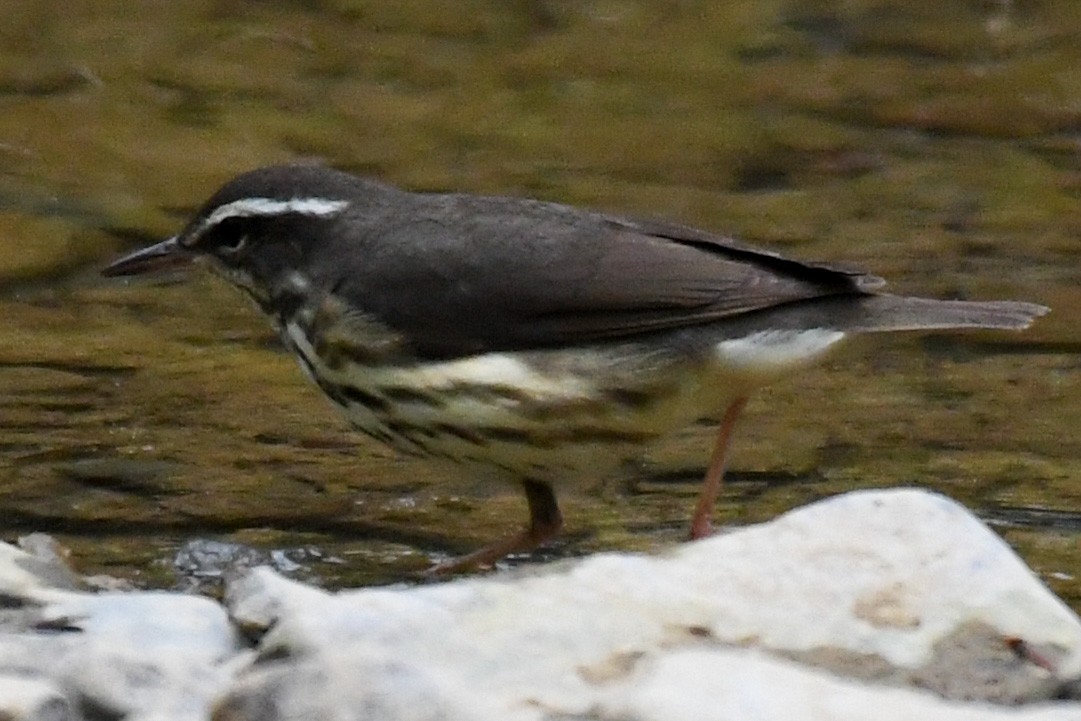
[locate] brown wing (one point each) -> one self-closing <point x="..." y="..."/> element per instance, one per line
<point x="489" y="274"/>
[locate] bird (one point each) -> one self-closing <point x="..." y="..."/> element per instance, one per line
<point x="535" y="340"/>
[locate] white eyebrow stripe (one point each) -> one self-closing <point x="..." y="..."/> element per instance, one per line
<point x="252" y="207"/>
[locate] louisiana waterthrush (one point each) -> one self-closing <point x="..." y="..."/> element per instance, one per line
<point x="542" y="341"/>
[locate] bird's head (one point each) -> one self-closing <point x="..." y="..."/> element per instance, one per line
<point x="258" y="229"/>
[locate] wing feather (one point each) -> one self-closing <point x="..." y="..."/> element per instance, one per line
<point x="488" y="273"/>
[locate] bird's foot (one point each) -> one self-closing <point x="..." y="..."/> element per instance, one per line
<point x="522" y="542"/>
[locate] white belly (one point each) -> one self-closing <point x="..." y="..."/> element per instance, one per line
<point x="775" y="352"/>
<point x="551" y="415"/>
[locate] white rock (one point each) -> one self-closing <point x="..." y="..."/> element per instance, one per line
<point x="22" y="574"/>
<point x="25" y="698"/>
<point x="153" y="622"/>
<point x="130" y="683"/>
<point x="891" y="577"/>
<point x="148" y="655"/>
<point x="143" y="655"/>
<point x="748" y="686"/>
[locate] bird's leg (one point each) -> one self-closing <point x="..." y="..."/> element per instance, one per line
<point x="545" y="521"/>
<point x="711" y="486"/>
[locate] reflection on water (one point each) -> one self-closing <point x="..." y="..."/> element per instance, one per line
<point x="933" y="144"/>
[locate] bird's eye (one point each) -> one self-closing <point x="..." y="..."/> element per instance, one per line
<point x="229" y="238"/>
<point x="233" y="244"/>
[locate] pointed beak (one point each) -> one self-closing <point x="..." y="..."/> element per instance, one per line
<point x="166" y="255"/>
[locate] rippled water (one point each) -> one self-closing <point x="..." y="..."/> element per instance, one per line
<point x="936" y="145"/>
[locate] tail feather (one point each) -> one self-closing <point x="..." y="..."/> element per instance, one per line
<point x="881" y="313"/>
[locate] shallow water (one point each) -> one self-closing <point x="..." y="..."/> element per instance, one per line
<point x="936" y="145"/>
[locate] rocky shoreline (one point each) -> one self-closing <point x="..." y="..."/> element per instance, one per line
<point x="875" y="604"/>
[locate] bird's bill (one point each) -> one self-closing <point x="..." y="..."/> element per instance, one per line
<point x="166" y="255"/>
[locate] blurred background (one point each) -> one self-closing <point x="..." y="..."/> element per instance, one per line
<point x="158" y="431"/>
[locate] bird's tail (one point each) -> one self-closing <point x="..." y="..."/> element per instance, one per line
<point x="879" y="313"/>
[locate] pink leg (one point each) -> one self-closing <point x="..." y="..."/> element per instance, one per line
<point x="545" y="522"/>
<point x="711" y="486"/>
